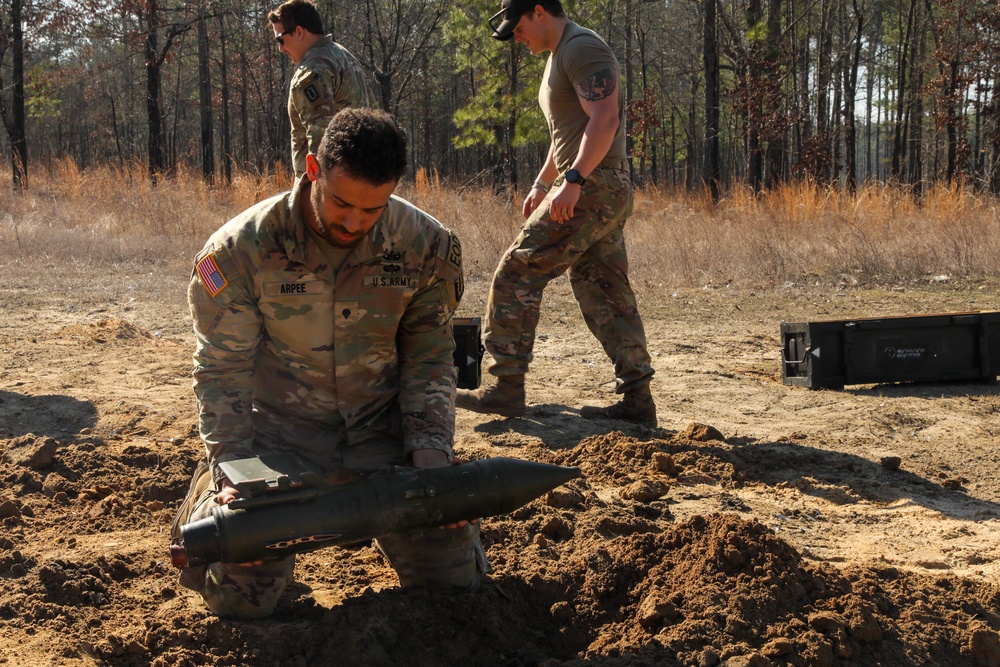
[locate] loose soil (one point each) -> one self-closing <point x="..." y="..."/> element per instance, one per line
<point x="759" y="524"/>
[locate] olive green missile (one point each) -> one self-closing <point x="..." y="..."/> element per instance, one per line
<point x="295" y="513"/>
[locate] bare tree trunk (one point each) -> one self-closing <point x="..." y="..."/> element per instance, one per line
<point x="916" y="116"/>
<point x="244" y="110"/>
<point x="978" y="133"/>
<point x="824" y="76"/>
<point x="752" y="110"/>
<point x="993" y="122"/>
<point x="953" y="123"/>
<point x="509" y="131"/>
<point x="691" y="160"/>
<point x="153" y="116"/>
<point x="227" y="150"/>
<point x="850" y="91"/>
<point x="173" y="137"/>
<point x="672" y="176"/>
<point x="627" y="82"/>
<point x="711" y="172"/>
<point x="776" y="142"/>
<point x="879" y="171"/>
<point x="899" y="136"/>
<point x="427" y="117"/>
<point x="869" y="96"/>
<point x="836" y="129"/>
<point x="802" y="130"/>
<point x="645" y="141"/>
<point x="14" y="122"/>
<point x="205" y="103"/>
<point x="114" y="125"/>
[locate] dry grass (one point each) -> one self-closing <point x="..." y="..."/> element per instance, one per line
<point x="112" y="220"/>
<point x="803" y="233"/>
<point x="108" y="216"/>
<point x="77" y="225"/>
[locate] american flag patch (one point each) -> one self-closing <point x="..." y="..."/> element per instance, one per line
<point x="211" y="276"/>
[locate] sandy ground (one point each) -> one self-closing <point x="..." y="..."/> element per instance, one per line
<point x="757" y="525"/>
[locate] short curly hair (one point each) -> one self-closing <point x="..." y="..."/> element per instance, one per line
<point x="295" y="13"/>
<point x="366" y="143"/>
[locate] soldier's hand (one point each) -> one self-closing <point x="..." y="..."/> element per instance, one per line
<point x="227" y="492"/>
<point x="435" y="458"/>
<point x="532" y="201"/>
<point x="563" y="204"/>
<point x="429" y="458"/>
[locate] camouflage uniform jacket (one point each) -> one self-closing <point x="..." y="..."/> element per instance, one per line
<point x="328" y="79"/>
<point x="319" y="353"/>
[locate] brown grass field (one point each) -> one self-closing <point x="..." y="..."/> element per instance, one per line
<point x="797" y="234"/>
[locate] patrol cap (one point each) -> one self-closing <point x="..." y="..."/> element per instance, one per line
<point x="511" y="12"/>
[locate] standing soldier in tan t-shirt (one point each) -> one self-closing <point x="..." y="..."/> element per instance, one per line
<point x="576" y="212"/>
<point x="328" y="77"/>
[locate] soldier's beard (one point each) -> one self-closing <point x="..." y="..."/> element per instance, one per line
<point x="337" y="235"/>
<point x="333" y="233"/>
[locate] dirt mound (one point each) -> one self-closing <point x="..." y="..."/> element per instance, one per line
<point x="105" y="332"/>
<point x="585" y="574"/>
<point x="617" y="459"/>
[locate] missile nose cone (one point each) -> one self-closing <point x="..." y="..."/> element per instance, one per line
<point x="523" y="481"/>
<point x="529" y="472"/>
<point x="572" y="472"/>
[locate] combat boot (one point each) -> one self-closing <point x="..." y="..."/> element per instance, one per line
<point x="505" y="398"/>
<point x="636" y="406"/>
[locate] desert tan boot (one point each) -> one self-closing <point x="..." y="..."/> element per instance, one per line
<point x="636" y="406"/>
<point x="505" y="398"/>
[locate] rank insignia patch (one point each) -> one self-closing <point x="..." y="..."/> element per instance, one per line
<point x="211" y="276"/>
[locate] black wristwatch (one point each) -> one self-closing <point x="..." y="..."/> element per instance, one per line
<point x="573" y="176"/>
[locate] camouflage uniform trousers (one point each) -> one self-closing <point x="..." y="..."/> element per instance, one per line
<point x="591" y="245"/>
<point x="444" y="559"/>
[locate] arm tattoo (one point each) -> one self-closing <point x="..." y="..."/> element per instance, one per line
<point x="598" y="86"/>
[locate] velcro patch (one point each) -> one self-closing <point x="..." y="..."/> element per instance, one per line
<point x="211" y="276"/>
<point x="311" y="93"/>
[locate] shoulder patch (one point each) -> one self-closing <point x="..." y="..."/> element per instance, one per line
<point x="210" y="274"/>
<point x="451" y="253"/>
<point x="454" y="256"/>
<point x="311" y="93"/>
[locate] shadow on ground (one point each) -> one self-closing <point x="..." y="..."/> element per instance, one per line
<point x="51" y="415"/>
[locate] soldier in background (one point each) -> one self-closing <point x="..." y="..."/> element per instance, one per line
<point x="323" y="319"/>
<point x="328" y="77"/>
<point x="576" y="212"/>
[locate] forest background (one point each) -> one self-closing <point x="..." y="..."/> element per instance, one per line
<point x="721" y="94"/>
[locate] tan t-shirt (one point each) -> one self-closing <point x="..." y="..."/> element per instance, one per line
<point x="581" y="54"/>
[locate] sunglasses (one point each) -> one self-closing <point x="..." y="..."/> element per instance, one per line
<point x="280" y="39"/>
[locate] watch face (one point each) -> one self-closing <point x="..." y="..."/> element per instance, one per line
<point x="573" y="176"/>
